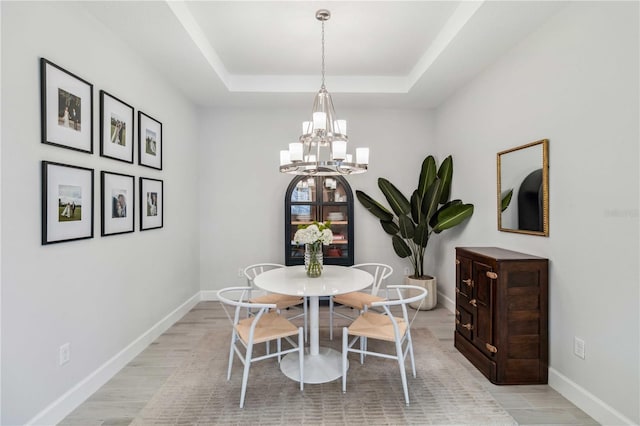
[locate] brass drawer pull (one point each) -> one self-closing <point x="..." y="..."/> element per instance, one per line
<point x="457" y="261"/>
<point x="457" y="312"/>
<point x="492" y="275"/>
<point x="467" y="326"/>
<point x="457" y="321"/>
<point x="473" y="303"/>
<point x="468" y="282"/>
<point x="457" y="290"/>
<point x="491" y="348"/>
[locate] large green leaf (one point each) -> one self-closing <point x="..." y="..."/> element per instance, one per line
<point x="421" y="236"/>
<point x="506" y="200"/>
<point x="398" y="202"/>
<point x="445" y="173"/>
<point x="389" y="227"/>
<point x="430" y="200"/>
<point x="415" y="207"/>
<point x="453" y="216"/>
<point x="407" y="227"/>
<point x="374" y="207"/>
<point x="427" y="176"/>
<point x="434" y="218"/>
<point x="400" y="247"/>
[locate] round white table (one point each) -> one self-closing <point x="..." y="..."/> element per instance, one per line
<point x="321" y="365"/>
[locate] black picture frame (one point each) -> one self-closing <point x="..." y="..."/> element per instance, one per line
<point x="67" y="203"/>
<point x="150" y="141"/>
<point x="116" y="140"/>
<point x="151" y="204"/>
<point x="66" y="105"/>
<point x="117" y="203"/>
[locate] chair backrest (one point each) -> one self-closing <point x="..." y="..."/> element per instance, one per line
<point x="237" y="297"/>
<point x="419" y="293"/>
<point x="380" y="272"/>
<point x="252" y="271"/>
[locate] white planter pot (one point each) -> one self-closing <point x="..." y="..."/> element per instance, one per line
<point x="431" y="300"/>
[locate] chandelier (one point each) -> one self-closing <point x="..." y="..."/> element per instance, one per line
<point x="321" y="150"/>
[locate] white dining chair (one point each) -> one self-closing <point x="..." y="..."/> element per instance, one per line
<point x="282" y="301"/>
<point x="360" y="300"/>
<point x="265" y="325"/>
<point x="386" y="327"/>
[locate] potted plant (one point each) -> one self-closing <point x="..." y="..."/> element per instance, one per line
<point x="412" y="221"/>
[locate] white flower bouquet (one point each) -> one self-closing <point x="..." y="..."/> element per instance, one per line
<point x="314" y="233"/>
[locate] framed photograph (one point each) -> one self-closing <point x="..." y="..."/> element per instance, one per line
<point x="66" y="103"/>
<point x="117" y="203"/>
<point x="67" y="203"/>
<point x="149" y="141"/>
<point x="151" y="203"/>
<point x="116" y="128"/>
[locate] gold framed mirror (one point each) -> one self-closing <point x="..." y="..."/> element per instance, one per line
<point x="523" y="189"/>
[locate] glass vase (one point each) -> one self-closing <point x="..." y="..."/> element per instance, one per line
<point x="313" y="259"/>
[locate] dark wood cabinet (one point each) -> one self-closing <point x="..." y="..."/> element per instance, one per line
<point x="502" y="314"/>
<point x="320" y="198"/>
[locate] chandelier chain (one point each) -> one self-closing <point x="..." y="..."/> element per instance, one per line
<point x="323" y="55"/>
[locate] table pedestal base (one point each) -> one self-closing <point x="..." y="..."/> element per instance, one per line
<point x="321" y="368"/>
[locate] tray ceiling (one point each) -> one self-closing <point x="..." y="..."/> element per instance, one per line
<point x="393" y="53"/>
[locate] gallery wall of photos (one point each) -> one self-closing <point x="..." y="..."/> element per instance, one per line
<point x="68" y="189"/>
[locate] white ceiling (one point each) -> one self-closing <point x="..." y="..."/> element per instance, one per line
<point x="410" y="54"/>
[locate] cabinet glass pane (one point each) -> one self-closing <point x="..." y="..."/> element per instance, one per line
<point x="336" y="251"/>
<point x="305" y="190"/>
<point x="333" y="191"/>
<point x="337" y="214"/>
<point x="303" y="214"/>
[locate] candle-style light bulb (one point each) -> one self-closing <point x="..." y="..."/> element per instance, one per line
<point x="295" y="151"/>
<point x="339" y="149"/>
<point x="362" y="155"/>
<point x="285" y="157"/>
<point x="319" y="120"/>
<point x="340" y="126"/>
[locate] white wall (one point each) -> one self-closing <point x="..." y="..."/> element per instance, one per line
<point x="575" y="82"/>
<point x="242" y="212"/>
<point x="98" y="294"/>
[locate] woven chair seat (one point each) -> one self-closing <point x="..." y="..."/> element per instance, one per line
<point x="376" y="326"/>
<point x="271" y="326"/>
<point x="360" y="300"/>
<point x="357" y="299"/>
<point x="282" y="301"/>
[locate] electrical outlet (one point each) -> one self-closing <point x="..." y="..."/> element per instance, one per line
<point x="578" y="347"/>
<point x="240" y="272"/>
<point x="64" y="354"/>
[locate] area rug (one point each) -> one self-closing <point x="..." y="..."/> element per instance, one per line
<point x="443" y="392"/>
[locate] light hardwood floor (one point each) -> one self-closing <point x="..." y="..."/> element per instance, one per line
<point x="120" y="400"/>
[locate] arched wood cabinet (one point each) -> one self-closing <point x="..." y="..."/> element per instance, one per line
<point x="320" y="198"/>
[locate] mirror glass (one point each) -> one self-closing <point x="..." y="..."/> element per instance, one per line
<point x="523" y="189"/>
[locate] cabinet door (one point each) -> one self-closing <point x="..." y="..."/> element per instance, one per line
<point x="464" y="280"/>
<point x="483" y="301"/>
<point x="336" y="209"/>
<point x="464" y="275"/>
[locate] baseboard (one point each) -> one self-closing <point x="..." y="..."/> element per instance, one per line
<point x="586" y="401"/>
<point x="209" y="295"/>
<point x="70" y="400"/>
<point x="446" y="302"/>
